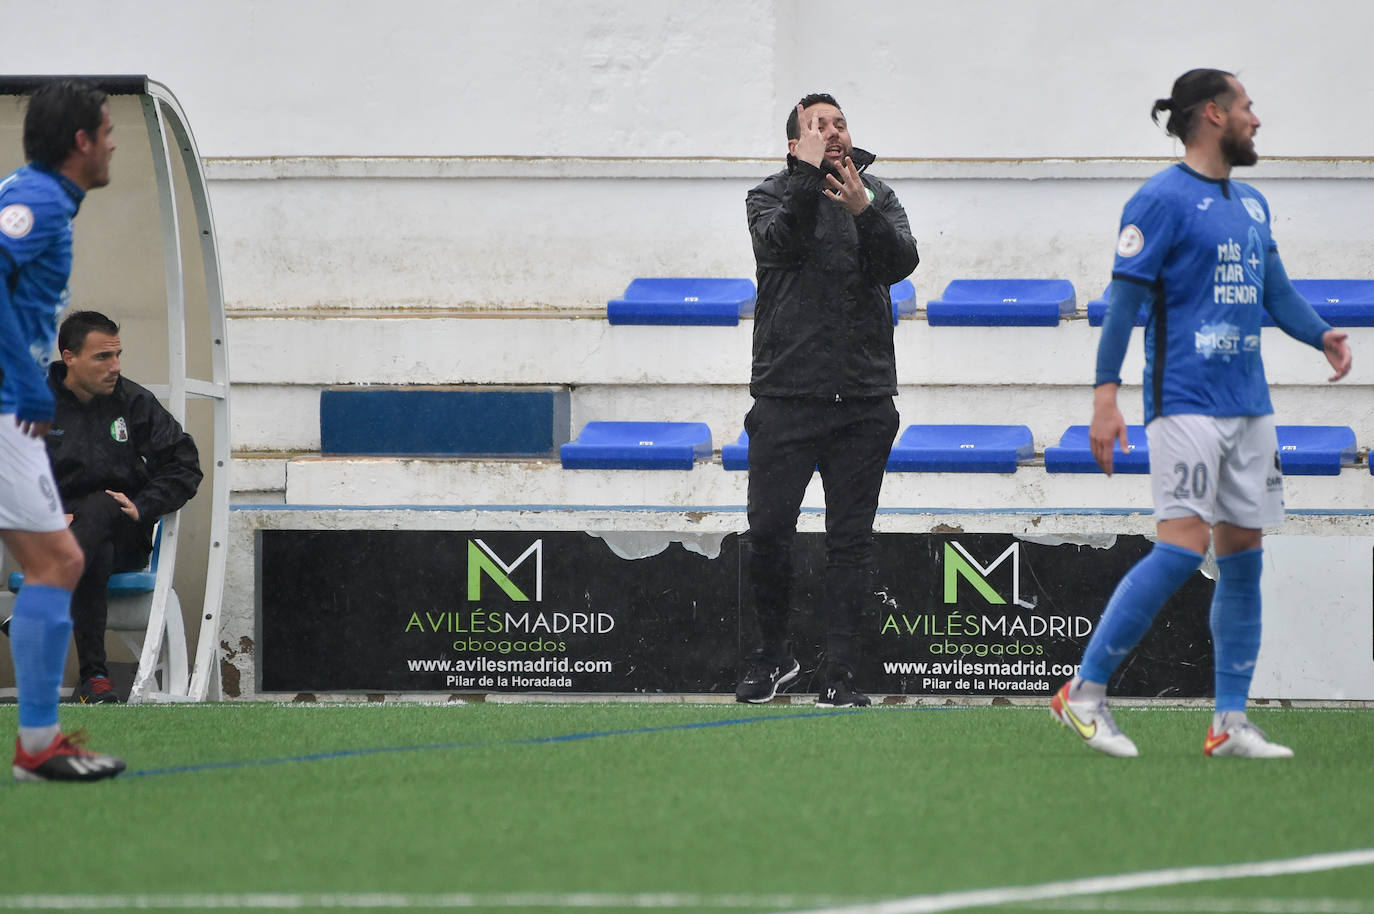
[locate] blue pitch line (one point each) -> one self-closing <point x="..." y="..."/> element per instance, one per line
<point x="531" y="741"/>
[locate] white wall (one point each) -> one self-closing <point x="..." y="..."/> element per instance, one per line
<point x="938" y="78"/>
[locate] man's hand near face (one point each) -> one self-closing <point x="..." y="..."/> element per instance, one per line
<point x="851" y="193"/>
<point x="810" y="146"/>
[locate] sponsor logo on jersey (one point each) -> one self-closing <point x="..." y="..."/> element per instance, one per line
<point x="1252" y="206"/>
<point x="1221" y="340"/>
<point x="1131" y="242"/>
<point x="1206" y="202"/>
<point x="119" y="430"/>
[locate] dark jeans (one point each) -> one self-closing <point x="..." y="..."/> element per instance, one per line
<point x="849" y="441"/>
<point x="112" y="542"/>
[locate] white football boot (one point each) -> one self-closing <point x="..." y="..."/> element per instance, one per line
<point x="1092" y="722"/>
<point x="1242" y="740"/>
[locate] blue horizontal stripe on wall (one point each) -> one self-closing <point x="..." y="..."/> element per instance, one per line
<point x="443" y="421"/>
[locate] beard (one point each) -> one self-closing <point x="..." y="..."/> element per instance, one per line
<point x="1239" y="152"/>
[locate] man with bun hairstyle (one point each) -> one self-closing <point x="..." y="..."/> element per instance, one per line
<point x="1197" y="251"/>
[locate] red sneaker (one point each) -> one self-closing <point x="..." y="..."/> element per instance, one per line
<point x="64" y="760"/>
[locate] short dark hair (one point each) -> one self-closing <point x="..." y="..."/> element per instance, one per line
<point x="71" y="336"/>
<point x="815" y="98"/>
<point x="1191" y="91"/>
<point x="57" y="110"/>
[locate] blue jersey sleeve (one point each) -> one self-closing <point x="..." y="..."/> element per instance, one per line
<point x="1125" y="301"/>
<point x="1292" y="313"/>
<point x="1147" y="232"/>
<point x="32" y="224"/>
<point x="24" y="389"/>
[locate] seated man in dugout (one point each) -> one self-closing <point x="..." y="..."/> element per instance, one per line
<point x="121" y="461"/>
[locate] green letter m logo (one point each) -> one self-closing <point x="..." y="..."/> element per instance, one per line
<point x="958" y="563"/>
<point x="482" y="560"/>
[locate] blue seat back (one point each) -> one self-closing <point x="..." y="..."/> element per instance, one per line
<point x="903" y="295"/>
<point x="691" y="300"/>
<point x="1340" y="302"/>
<point x="637" y="446"/>
<point x="736" y="456"/>
<point x="1316" y="450"/>
<point x="961" y="449"/>
<point x="1074" y="454"/>
<point x="122" y="584"/>
<point x="1003" y="302"/>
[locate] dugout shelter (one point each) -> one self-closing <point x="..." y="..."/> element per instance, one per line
<point x="145" y="254"/>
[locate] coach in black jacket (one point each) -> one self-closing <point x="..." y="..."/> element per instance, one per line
<point x="120" y="461"/>
<point x="829" y="241"/>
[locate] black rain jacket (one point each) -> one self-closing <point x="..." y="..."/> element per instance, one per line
<point x="823" y="319"/>
<point x="126" y="442"/>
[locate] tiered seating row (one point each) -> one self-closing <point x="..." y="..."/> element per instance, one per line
<point x="964" y="302"/>
<point x="1304" y="450"/>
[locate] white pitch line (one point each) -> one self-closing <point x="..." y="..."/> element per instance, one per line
<point x="921" y="904"/>
<point x="1136" y="905"/>
<point x="1097" y="885"/>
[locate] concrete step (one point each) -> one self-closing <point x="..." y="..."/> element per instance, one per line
<point x="544" y="484"/>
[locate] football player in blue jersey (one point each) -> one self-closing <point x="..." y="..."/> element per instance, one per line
<point x="1196" y="250"/>
<point x="68" y="145"/>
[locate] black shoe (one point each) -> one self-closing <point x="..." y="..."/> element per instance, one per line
<point x="839" y="692"/>
<point x="64" y="760"/>
<point x="95" y="691"/>
<point x="765" y="677"/>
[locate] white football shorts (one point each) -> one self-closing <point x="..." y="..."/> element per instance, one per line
<point x="1224" y="470"/>
<point x="28" y="495"/>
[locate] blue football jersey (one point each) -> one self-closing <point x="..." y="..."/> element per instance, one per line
<point x="36" y="210"/>
<point x="1200" y="244"/>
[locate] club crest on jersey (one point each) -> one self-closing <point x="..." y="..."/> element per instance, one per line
<point x="1252" y="206"/>
<point x="16" y="220"/>
<point x="1131" y="242"/>
<point x="119" y="430"/>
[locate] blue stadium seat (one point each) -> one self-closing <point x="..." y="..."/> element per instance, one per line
<point x="1316" y="450"/>
<point x="638" y="446"/>
<point x="444" y="421"/>
<point x="1074" y="455"/>
<point x="1340" y="302"/>
<point x="1097" y="310"/>
<point x="123" y="584"/>
<point x="903" y="296"/>
<point x="1002" y="302"/>
<point x="659" y="300"/>
<point x="961" y="449"/>
<point x="736" y="456"/>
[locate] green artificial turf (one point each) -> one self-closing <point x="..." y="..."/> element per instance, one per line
<point x="773" y="803"/>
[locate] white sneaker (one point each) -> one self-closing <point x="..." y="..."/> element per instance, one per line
<point x="1244" y="740"/>
<point x="1092" y="722"/>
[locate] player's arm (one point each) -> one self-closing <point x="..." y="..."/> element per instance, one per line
<point x="23" y="382"/>
<point x="1125" y="298"/>
<point x="170" y="456"/>
<point x="1295" y="316"/>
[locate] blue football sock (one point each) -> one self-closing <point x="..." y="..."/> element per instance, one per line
<point x="1236" y="626"/>
<point x="39" y="632"/>
<point x="1133" y="607"/>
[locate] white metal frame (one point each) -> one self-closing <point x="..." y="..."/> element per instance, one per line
<point x="167" y="128"/>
